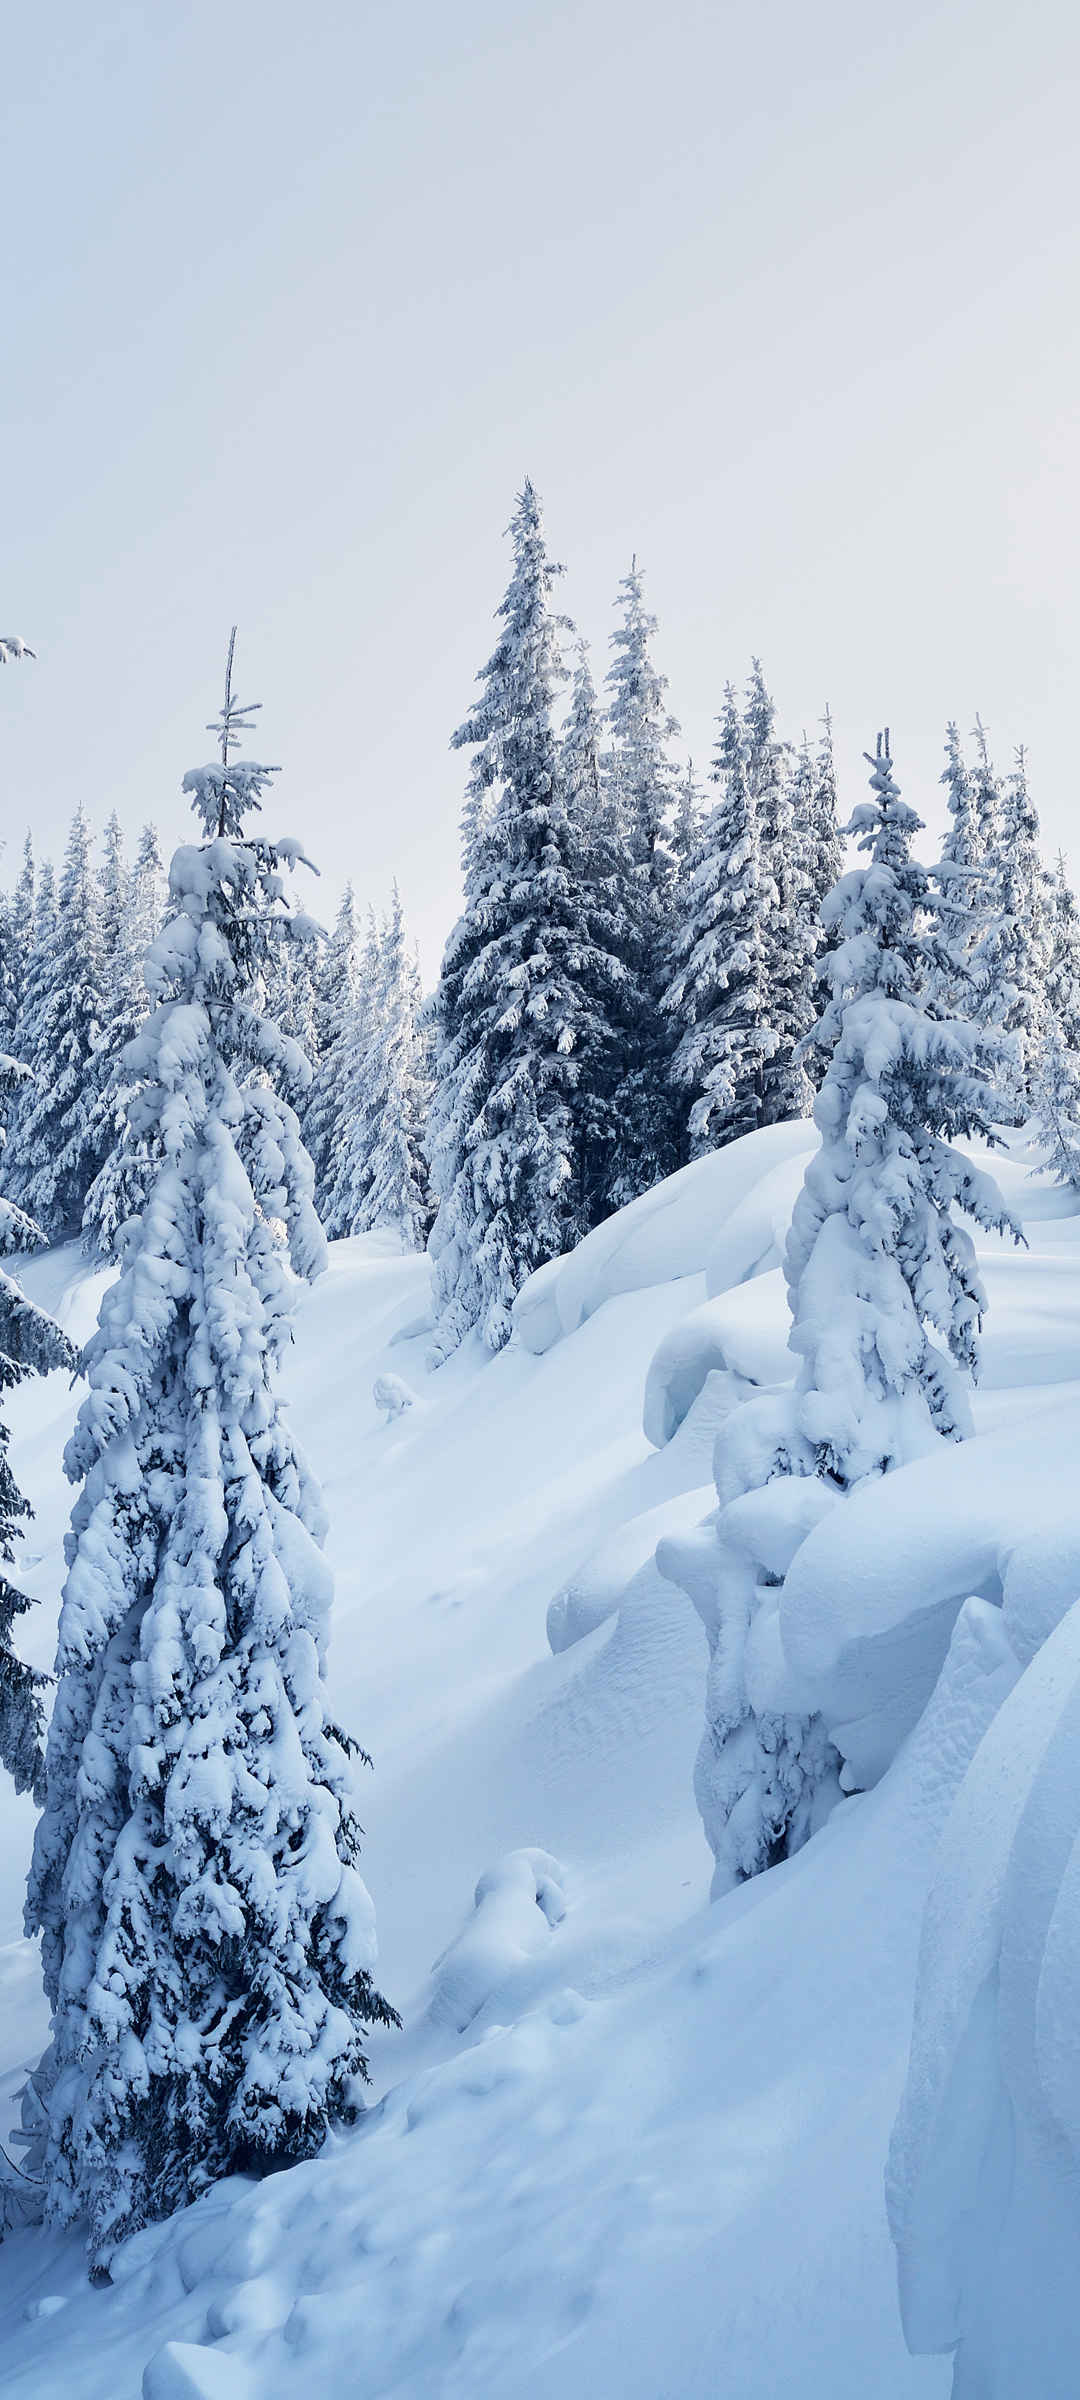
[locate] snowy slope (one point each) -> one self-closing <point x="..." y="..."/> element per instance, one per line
<point x="628" y="2142"/>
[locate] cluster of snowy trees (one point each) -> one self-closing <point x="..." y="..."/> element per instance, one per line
<point x="634" y="977"/>
<point x="73" y="995"/>
<point x="633" y="969"/>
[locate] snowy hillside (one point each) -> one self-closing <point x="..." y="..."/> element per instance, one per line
<point x="628" y="2142"/>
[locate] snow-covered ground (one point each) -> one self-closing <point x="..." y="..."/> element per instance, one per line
<point x="629" y="2142"/>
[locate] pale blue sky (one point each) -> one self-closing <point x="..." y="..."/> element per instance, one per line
<point x="782" y="297"/>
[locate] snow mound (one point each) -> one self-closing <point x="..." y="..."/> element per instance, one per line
<point x="597" y="1589"/>
<point x="669" y="1233"/>
<point x="983" y="2171"/>
<point x="741" y="1335"/>
<point x="752" y="1240"/>
<point x="872" y="1595"/>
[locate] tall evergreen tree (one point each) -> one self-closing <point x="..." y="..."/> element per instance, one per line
<point x="824" y="842"/>
<point x="207" y="1939"/>
<point x="147" y="891"/>
<point x="30" y="1344"/>
<point x="36" y="977"/>
<point x="877" y="1267"/>
<point x="876" y="1262"/>
<point x="324" y="1114"/>
<point x="59" y="1139"/>
<point x="114" y="895"/>
<point x="986" y="797"/>
<point x="1063" y="973"/>
<point x="788" y="905"/>
<point x="123" y="1181"/>
<point x="599" y="864"/>
<point x="965" y="897"/>
<point x="642" y="730"/>
<point x="524" y="982"/>
<point x="686" y="829"/>
<point x="20" y="934"/>
<point x="1014" y="991"/>
<point x="717" y="996"/>
<point x="382" y="1180"/>
<point x="641" y="788"/>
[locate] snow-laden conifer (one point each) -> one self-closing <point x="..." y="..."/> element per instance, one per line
<point x="717" y="997"/>
<point x="1063" y="974"/>
<point x="789" y="915"/>
<point x="207" y="1939"/>
<point x="19" y="931"/>
<point x="824" y="841"/>
<point x="1054" y="1050"/>
<point x="642" y="730"/>
<point x="382" y="1180"/>
<point x="965" y="895"/>
<point x="525" y="979"/>
<point x="885" y="1295"/>
<point x="599" y="862"/>
<point x="886" y="1306"/>
<point x="129" y="1163"/>
<point x="640" y="784"/>
<point x="1014" y="994"/>
<point x="30" y="1343"/>
<point x="686" y="827"/>
<point x="147" y="891"/>
<point x="334" y="970"/>
<point x="58" y="1137"/>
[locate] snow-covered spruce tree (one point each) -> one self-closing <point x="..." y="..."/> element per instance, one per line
<point x="986" y="791"/>
<point x="1014" y="991"/>
<point x="964" y="879"/>
<point x="147" y="901"/>
<point x="598" y="860"/>
<point x="383" y="1180"/>
<point x="30" y="1344"/>
<point x="59" y="1138"/>
<point x="335" y="974"/>
<point x="350" y="1076"/>
<point x="36" y="972"/>
<point x="717" y="995"/>
<point x="114" y="895"/>
<point x="789" y="929"/>
<point x="129" y="1165"/>
<point x="1063" y="975"/>
<point x="824" y="842"/>
<point x="876" y="1263"/>
<point x="1055" y="1047"/>
<point x="19" y="937"/>
<point x="207" y="1939"/>
<point x="525" y="985"/>
<point x="642" y="729"/>
<point x="686" y="829"/>
<point x="641" y="805"/>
